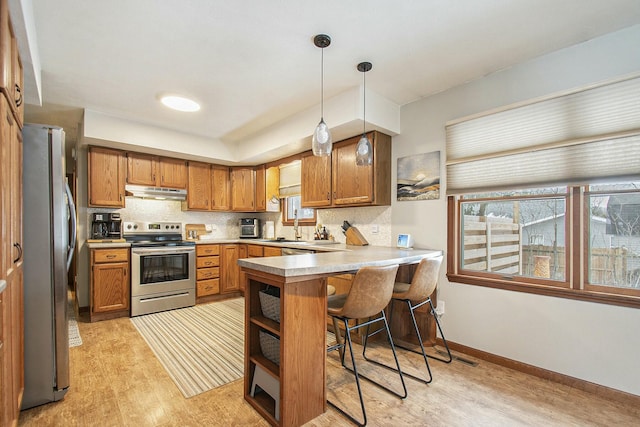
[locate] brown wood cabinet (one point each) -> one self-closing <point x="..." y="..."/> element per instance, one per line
<point x="243" y="184"/>
<point x="141" y="169"/>
<point x="107" y="172"/>
<point x="261" y="188"/>
<point x="207" y="270"/>
<point x="340" y="182"/>
<point x="272" y="251"/>
<point x="11" y="268"/>
<point x="230" y="277"/>
<point x="316" y="181"/>
<point x="220" y="188"/>
<point x="12" y="77"/>
<point x="173" y="173"/>
<point x="147" y="169"/>
<point x="198" y="186"/>
<point x="207" y="187"/>
<point x="110" y="283"/>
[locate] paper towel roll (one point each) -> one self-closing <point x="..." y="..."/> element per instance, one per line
<point x="269" y="230"/>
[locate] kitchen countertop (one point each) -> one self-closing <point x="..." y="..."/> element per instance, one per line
<point x="108" y="245"/>
<point x="351" y="259"/>
<point x="320" y="245"/>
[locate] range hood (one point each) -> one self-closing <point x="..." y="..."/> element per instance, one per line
<point x="159" y="193"/>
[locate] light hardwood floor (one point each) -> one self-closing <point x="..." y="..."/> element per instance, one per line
<point x="117" y="381"/>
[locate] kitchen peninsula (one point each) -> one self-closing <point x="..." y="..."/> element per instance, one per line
<point x="301" y="331"/>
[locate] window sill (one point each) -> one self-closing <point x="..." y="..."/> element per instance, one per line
<point x="553" y="291"/>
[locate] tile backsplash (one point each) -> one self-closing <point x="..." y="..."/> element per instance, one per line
<point x="226" y="223"/>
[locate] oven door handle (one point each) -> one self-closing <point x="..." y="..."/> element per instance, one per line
<point x="154" y="251"/>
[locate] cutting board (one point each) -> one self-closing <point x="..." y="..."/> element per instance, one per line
<point x="197" y="228"/>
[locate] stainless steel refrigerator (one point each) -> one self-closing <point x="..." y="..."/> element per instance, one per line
<point x="47" y="212"/>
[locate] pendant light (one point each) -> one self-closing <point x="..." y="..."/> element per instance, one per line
<point x="364" y="150"/>
<point x="321" y="141"/>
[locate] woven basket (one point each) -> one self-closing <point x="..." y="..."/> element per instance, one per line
<point x="270" y="303"/>
<point x="270" y="347"/>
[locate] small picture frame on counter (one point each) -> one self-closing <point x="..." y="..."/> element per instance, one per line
<point x="405" y="241"/>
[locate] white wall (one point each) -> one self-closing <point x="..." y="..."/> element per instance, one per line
<point x="594" y="342"/>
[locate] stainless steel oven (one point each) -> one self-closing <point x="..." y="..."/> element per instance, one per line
<point x="163" y="268"/>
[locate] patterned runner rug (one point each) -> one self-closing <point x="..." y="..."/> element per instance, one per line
<point x="200" y="347"/>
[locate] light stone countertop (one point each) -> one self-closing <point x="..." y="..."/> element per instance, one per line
<point x="319" y="246"/>
<point x="108" y="245"/>
<point x="352" y="259"/>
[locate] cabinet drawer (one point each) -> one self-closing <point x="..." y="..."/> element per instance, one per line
<point x="255" y="250"/>
<point x="207" y="273"/>
<point x="110" y="255"/>
<point x="271" y="251"/>
<point x="205" y="250"/>
<point x="208" y="287"/>
<point x="207" y="261"/>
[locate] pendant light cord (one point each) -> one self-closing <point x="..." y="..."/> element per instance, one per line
<point x="322" y="86"/>
<point x="364" y="103"/>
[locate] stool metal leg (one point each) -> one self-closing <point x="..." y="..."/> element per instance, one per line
<point x="412" y="309"/>
<point x="348" y="330"/>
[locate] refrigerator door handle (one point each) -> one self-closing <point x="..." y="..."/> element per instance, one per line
<point x="72" y="212"/>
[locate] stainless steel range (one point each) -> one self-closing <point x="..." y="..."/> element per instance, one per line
<point x="163" y="267"/>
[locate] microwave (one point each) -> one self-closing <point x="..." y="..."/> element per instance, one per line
<point x="249" y="228"/>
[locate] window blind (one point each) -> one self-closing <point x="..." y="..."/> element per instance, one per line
<point x="290" y="179"/>
<point x="587" y="135"/>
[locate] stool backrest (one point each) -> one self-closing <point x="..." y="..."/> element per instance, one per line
<point x="425" y="279"/>
<point x="370" y="291"/>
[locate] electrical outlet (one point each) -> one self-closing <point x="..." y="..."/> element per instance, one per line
<point x="375" y="229"/>
<point x="440" y="308"/>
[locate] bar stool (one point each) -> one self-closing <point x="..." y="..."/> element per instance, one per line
<point x="416" y="294"/>
<point x="370" y="293"/>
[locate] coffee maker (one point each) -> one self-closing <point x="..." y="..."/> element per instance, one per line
<point x="106" y="226"/>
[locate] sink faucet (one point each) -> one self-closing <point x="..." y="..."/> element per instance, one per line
<point x="296" y="231"/>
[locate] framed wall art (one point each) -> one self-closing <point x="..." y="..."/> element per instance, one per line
<point x="419" y="177"/>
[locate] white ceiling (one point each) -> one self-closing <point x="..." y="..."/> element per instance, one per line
<point x="252" y="63"/>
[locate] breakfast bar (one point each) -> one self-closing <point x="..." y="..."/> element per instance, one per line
<point x="301" y="331"/>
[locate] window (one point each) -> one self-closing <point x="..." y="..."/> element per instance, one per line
<point x="291" y="208"/>
<point x="510" y="224"/>
<point x="613" y="237"/>
<point x="529" y="240"/>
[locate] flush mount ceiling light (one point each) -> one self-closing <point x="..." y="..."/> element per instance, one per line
<point x="364" y="150"/>
<point x="180" y="103"/>
<point x="321" y="141"/>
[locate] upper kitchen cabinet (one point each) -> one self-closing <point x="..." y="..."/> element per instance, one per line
<point x="146" y="169"/>
<point x="11" y="79"/>
<point x="316" y="181"/>
<point x="107" y="171"/>
<point x="208" y="187"/>
<point x="198" y="186"/>
<point x="141" y="169"/>
<point x="173" y="173"/>
<point x="337" y="181"/>
<point x="220" y="188"/>
<point x="261" y="188"/>
<point x="243" y="193"/>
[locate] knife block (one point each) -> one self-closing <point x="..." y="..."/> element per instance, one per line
<point x="355" y="238"/>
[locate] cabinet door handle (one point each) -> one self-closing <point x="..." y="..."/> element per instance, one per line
<point x="328" y="195"/>
<point x="111" y="256"/>
<point x="19" y="97"/>
<point x="19" y="248"/>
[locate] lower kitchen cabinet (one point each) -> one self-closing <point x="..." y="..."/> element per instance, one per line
<point x="231" y="280"/>
<point x="207" y="271"/>
<point x="110" y="284"/>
